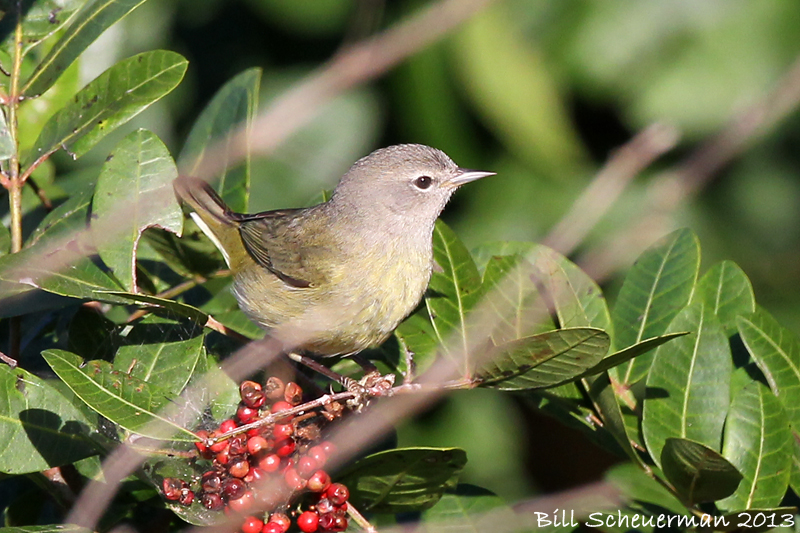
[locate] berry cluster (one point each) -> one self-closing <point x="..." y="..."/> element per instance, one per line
<point x="276" y="465"/>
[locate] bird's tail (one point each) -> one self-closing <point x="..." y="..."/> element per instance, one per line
<point x="212" y="216"/>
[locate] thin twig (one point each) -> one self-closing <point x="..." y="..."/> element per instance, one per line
<point x="12" y="363"/>
<point x="48" y="205"/>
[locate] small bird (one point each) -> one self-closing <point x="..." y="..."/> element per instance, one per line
<point x="338" y="277"/>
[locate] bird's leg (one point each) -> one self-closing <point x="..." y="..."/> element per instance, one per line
<point x="411" y="365"/>
<point x="319" y="368"/>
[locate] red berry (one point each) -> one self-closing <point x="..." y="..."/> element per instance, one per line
<point x="337" y="494"/>
<point x="212" y="502"/>
<point x="227" y="425"/>
<point x="219" y="446"/>
<point x="285" y="447"/>
<point x="308" y="521"/>
<point x="222" y="457"/>
<point x="293" y="479"/>
<point x="201" y="444"/>
<point x="327" y="522"/>
<point x="171" y="487"/>
<point x="252" y="524"/>
<point x="187" y="497"/>
<point x="246" y="414"/>
<point x="318" y="454"/>
<point x="211" y="481"/>
<point x="233" y="488"/>
<point x="242" y="504"/>
<point x="328" y="447"/>
<point x="281" y="519"/>
<point x="256" y="444"/>
<point x="280" y="406"/>
<point x="307" y="466"/>
<point x="272" y="527"/>
<point x="282" y="431"/>
<point x="238" y="467"/>
<point x="319" y="481"/>
<point x="293" y="393"/>
<point x="269" y="463"/>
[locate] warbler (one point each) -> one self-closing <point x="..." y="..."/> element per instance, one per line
<point x="337" y="277"/>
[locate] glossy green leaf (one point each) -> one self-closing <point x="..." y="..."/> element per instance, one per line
<point x="232" y="107"/>
<point x="776" y="351"/>
<point x="655" y="290"/>
<point x="45" y="17"/>
<point x="688" y="388"/>
<point x="403" y="479"/>
<point x="697" y="472"/>
<point x="133" y="193"/>
<point x="161" y="352"/>
<point x="468" y="508"/>
<point x="417" y="334"/>
<point x="758" y="442"/>
<point x="39" y="427"/>
<point x="108" y="101"/>
<point x="125" y="400"/>
<point x="726" y="291"/>
<point x="640" y="348"/>
<point x="71" y="216"/>
<point x="455" y="291"/>
<point x="517" y="309"/>
<point x="83" y="28"/>
<point x="145" y="300"/>
<point x="544" y="360"/>
<point x="637" y="486"/>
<point x="192" y="253"/>
<point x="601" y="392"/>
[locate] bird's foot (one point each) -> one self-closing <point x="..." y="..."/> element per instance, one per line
<point x="372" y="385"/>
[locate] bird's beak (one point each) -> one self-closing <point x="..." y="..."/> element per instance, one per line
<point x="466" y="175"/>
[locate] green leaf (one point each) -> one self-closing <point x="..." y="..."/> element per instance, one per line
<point x="161" y="352"/>
<point x="727" y="292"/>
<point x="417" y="334"/>
<point x="655" y="290"/>
<point x="145" y="300"/>
<point x="40" y="429"/>
<point x="110" y="100"/>
<point x="233" y="106"/>
<point x="193" y="253"/>
<point x="776" y="351"/>
<point x="456" y="290"/>
<point x="758" y="442"/>
<point x="133" y="193"/>
<point x="69" y="217"/>
<point x="697" y="472"/>
<point x="637" y="486"/>
<point x="125" y="400"/>
<point x="469" y="508"/>
<point x="544" y="360"/>
<point x="403" y="479"/>
<point x="688" y="388"/>
<point x="517" y="309"/>
<point x="617" y="358"/>
<point x="44" y="18"/>
<point x="84" y="27"/>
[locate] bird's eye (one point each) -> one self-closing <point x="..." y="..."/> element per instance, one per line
<point x="423" y="182"/>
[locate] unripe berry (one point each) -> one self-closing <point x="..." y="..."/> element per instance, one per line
<point x="319" y="481"/>
<point x="238" y="467"/>
<point x="252" y="524"/>
<point x="282" y="520"/>
<point x="308" y="522"/>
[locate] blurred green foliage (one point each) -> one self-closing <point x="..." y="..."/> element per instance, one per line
<point x="540" y="91"/>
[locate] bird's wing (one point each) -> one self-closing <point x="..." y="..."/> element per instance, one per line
<point x="272" y="240"/>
